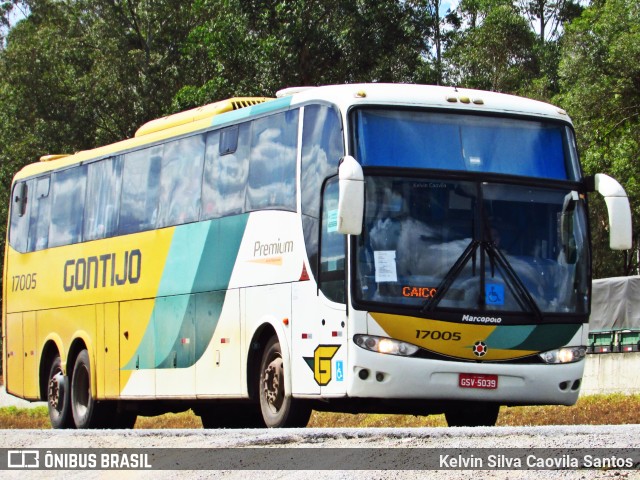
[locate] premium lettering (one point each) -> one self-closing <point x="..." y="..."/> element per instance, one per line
<point x="276" y="248"/>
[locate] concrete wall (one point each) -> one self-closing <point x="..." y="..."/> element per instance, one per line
<point x="611" y="373"/>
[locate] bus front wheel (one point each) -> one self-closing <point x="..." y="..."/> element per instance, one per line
<point x="58" y="396"/>
<point x="278" y="409"/>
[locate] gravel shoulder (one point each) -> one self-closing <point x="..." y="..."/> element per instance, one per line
<point x="343" y="439"/>
<point x="339" y="439"/>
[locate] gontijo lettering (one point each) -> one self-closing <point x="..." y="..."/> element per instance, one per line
<point x="108" y="270"/>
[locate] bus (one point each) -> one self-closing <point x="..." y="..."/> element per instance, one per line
<point x="383" y="248"/>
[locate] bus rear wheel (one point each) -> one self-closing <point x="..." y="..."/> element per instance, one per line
<point x="472" y="414"/>
<point x="58" y="397"/>
<point x="278" y="409"/>
<point x="87" y="412"/>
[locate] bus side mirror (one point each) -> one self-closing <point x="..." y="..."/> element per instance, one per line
<point x="620" y="234"/>
<point x="351" y="199"/>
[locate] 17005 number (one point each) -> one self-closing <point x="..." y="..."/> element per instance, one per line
<point x="438" y="335"/>
<point x="24" y="282"/>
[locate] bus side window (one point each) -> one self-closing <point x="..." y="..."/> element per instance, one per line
<point x="322" y="148"/>
<point x="40" y="215"/>
<point x="332" y="246"/>
<point x="181" y="181"/>
<point x="67" y="206"/>
<point x="272" y="168"/>
<point x="19" y="226"/>
<point x="103" y="198"/>
<point x="225" y="171"/>
<point x="140" y="182"/>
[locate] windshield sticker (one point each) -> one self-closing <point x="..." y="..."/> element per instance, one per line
<point x="332" y="221"/>
<point x="385" y="264"/>
<point x="494" y="294"/>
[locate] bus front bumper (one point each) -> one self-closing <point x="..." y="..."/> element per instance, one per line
<point x="377" y="375"/>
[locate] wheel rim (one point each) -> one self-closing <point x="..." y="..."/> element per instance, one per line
<point x="273" y="386"/>
<point x="54" y="394"/>
<point x="81" y="392"/>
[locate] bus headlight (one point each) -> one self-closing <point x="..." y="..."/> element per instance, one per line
<point x="385" y="345"/>
<point x="564" y="355"/>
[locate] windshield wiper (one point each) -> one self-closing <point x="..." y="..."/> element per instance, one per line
<point x="513" y="280"/>
<point x="449" y="278"/>
<point x="526" y="301"/>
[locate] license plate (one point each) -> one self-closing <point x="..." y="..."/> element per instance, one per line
<point x="477" y="380"/>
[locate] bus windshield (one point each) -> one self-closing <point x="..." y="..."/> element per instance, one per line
<point x="472" y="143"/>
<point x="430" y="244"/>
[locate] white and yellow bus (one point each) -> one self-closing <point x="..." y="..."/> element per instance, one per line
<point x="356" y="248"/>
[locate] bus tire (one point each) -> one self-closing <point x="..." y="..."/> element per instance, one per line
<point x="278" y="409"/>
<point x="472" y="414"/>
<point x="87" y="412"/>
<point x="58" y="399"/>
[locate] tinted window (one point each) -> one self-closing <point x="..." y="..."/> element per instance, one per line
<point x="140" y="181"/>
<point x="229" y="140"/>
<point x="322" y="148"/>
<point x="40" y="215"/>
<point x="225" y="175"/>
<point x="272" y="170"/>
<point x="103" y="198"/>
<point x="67" y="206"/>
<point x="181" y="181"/>
<point x="416" y="139"/>
<point x="20" y="205"/>
<point x="321" y="151"/>
<point x="332" y="273"/>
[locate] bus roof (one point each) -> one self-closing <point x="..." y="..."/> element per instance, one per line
<point x="343" y="96"/>
<point x="427" y="96"/>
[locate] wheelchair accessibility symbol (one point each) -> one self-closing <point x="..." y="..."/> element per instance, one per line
<point x="339" y="371"/>
<point x="494" y="294"/>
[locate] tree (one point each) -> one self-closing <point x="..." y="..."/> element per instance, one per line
<point x="75" y="74"/>
<point x="496" y="54"/>
<point x="255" y="47"/>
<point x="600" y="81"/>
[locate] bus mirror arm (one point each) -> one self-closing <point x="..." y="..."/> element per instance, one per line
<point x="618" y="208"/>
<point x="351" y="199"/>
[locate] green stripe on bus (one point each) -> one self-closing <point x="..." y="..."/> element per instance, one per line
<point x="538" y="338"/>
<point x="182" y="324"/>
<point x="261" y="108"/>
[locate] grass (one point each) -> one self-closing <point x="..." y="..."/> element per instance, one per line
<point x="614" y="409"/>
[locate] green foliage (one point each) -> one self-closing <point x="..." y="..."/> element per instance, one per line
<point x="600" y="84"/>
<point x="255" y="47"/>
<point x="496" y="55"/>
